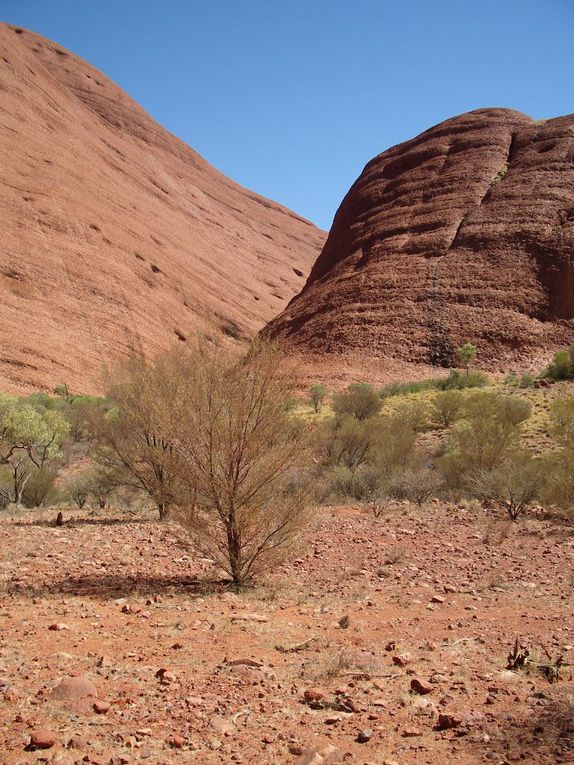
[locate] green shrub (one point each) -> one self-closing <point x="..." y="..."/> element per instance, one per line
<point x="526" y="381"/>
<point x="516" y="482"/>
<point x="317" y="395"/>
<point x="466" y="354"/>
<point x="346" y="441"/>
<point x="485" y="437"/>
<point x="562" y="365"/>
<point x="416" y="386"/>
<point x="360" y="400"/>
<point x="458" y="381"/>
<point x="446" y="408"/>
<point x="414" y="414"/>
<point x="562" y="421"/>
<point x="360" y="484"/>
<point x="358" y="457"/>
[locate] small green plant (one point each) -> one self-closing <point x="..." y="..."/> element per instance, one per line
<point x="562" y="365"/>
<point x="500" y="175"/>
<point x="317" y="396"/>
<point x="466" y="354"/>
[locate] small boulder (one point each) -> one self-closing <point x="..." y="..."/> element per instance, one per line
<point x="421" y="686"/>
<point x="446" y="721"/>
<point x="42" y="739"/>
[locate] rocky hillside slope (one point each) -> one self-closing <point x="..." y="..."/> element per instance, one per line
<point x="114" y="234"/>
<point x="465" y="232"/>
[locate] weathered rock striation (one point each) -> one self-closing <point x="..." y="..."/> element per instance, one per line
<point x="465" y="232"/>
<point x="115" y="235"/>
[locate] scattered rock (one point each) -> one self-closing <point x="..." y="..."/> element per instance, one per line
<point x="313" y="694"/>
<point x="42" y="739"/>
<point x="403" y="659"/>
<point x="175" y="741"/>
<point x="364" y="736"/>
<point x="446" y="721"/>
<point x="421" y="686"/>
<point x="411" y="732"/>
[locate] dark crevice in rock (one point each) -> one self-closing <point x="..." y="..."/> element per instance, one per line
<point x="441" y="350"/>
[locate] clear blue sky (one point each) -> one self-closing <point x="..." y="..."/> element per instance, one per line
<point x="292" y="97"/>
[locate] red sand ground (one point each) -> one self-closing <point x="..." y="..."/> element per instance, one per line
<point x="192" y="673"/>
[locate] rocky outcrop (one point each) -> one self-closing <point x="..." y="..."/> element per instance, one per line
<point x="464" y="233"/>
<point x="115" y="236"/>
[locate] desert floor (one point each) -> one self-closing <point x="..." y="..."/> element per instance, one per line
<point x="387" y="638"/>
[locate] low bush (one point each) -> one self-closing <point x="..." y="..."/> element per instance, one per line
<point x="317" y="396"/>
<point x="562" y="365"/>
<point x="446" y="408"/>
<point x="416" y="484"/>
<point x="516" y="482"/>
<point x="416" y="386"/>
<point x="360" y="400"/>
<point x="460" y="381"/>
<point x="483" y="439"/>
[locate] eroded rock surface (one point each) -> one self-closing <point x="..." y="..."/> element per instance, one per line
<point x="115" y="235"/>
<point x="465" y="232"/>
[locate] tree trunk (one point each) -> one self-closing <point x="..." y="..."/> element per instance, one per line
<point x="234" y="553"/>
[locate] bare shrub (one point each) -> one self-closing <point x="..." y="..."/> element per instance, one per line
<point x="416" y="484"/>
<point x="516" y="482"/>
<point x="79" y="487"/>
<point x="134" y="450"/>
<point x="235" y="449"/>
<point x="447" y="407"/>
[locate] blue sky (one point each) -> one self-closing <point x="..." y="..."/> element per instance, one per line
<point x="293" y="98"/>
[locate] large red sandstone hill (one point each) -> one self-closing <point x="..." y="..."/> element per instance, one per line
<point x="116" y="236"/>
<point x="465" y="232"/>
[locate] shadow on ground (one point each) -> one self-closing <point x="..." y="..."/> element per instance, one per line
<point x="73" y="522"/>
<point x="546" y="737"/>
<point x="106" y="586"/>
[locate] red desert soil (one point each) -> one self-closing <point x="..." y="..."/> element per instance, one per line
<point x="116" y="235"/>
<point x="465" y="232"/>
<point x="387" y="640"/>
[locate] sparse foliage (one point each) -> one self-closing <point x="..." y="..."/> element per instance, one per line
<point x="466" y="354"/>
<point x="416" y="484"/>
<point x="317" y="396"/>
<point x="133" y="448"/>
<point x="235" y="450"/>
<point x="447" y="408"/>
<point x="562" y="365"/>
<point x="515" y="483"/>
